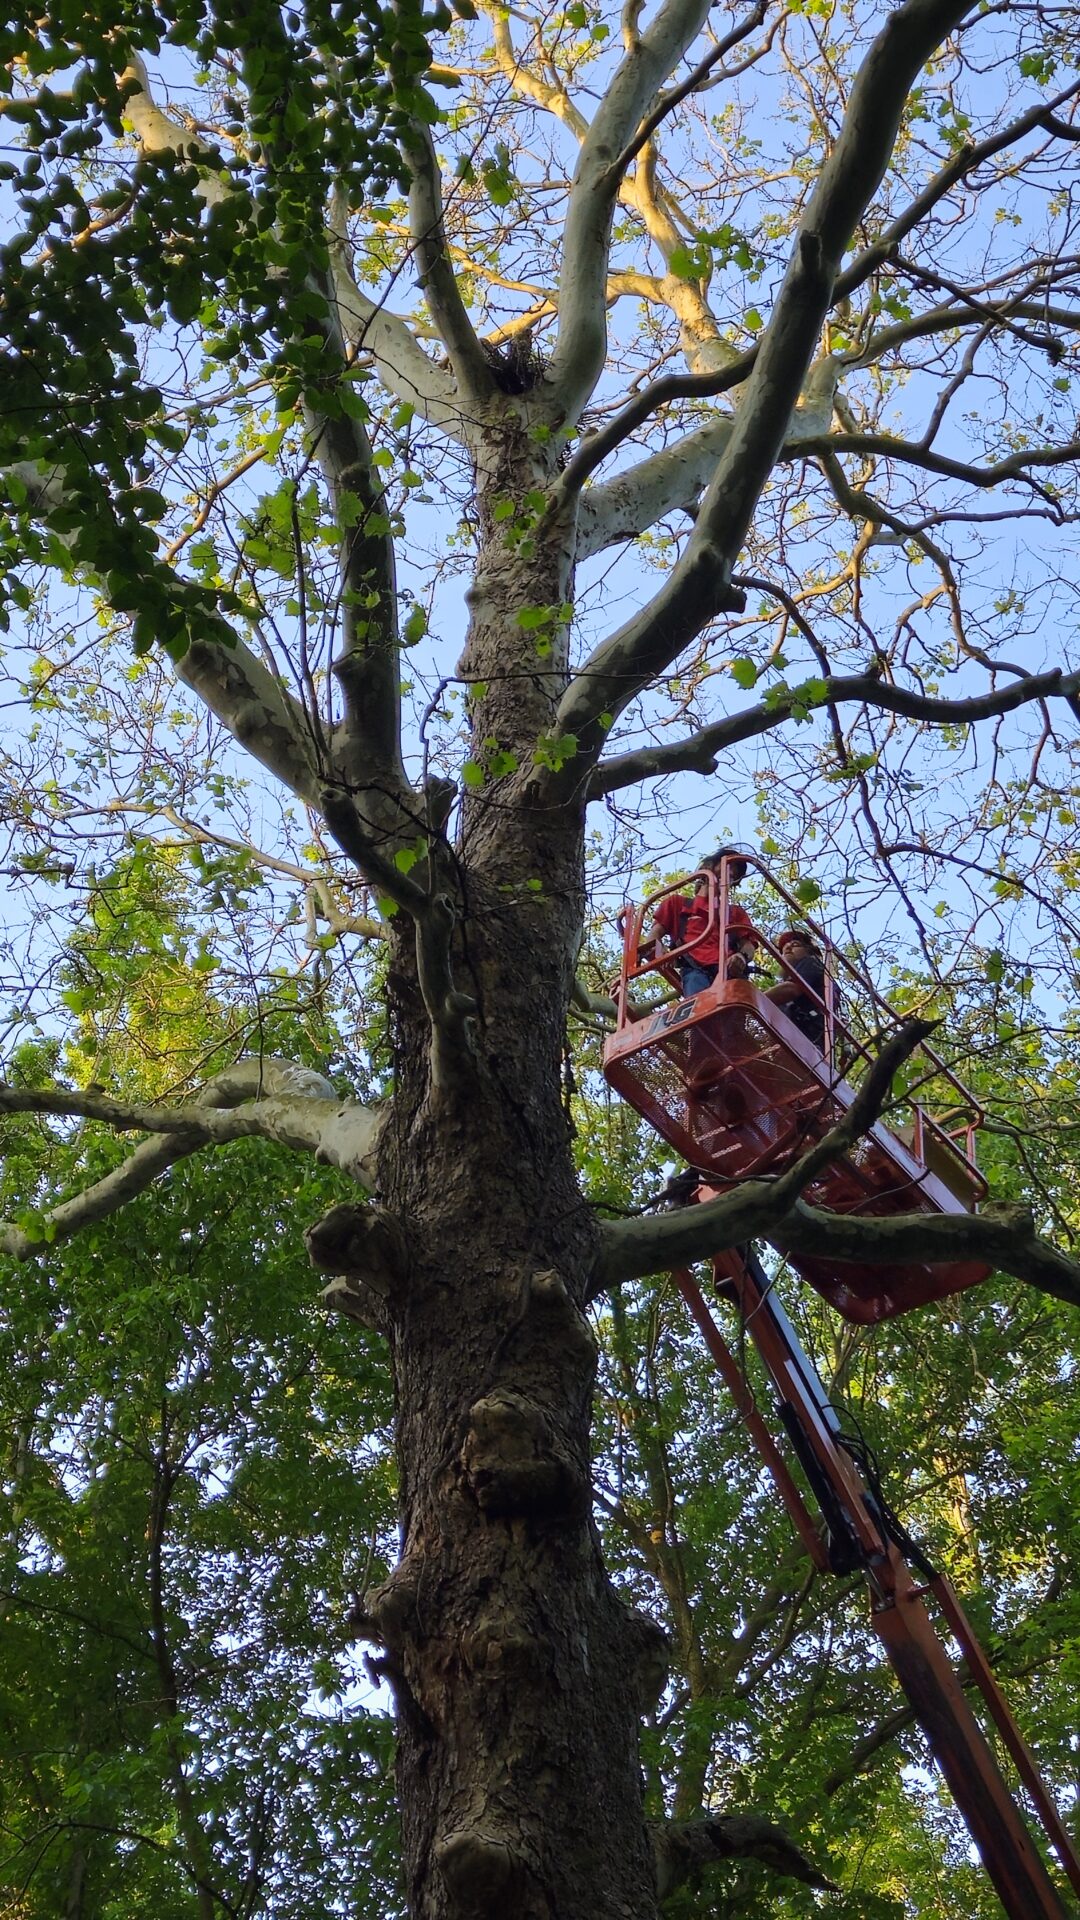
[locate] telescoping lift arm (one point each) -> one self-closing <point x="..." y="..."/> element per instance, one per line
<point x="860" y="1532"/>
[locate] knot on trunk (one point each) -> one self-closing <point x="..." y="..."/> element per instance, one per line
<point x="514" y="1465"/>
<point x="355" y="1302"/>
<point x="551" y="1300"/>
<point x="364" y="1244"/>
<point x="388" y="1613"/>
<point x="481" y="1871"/>
<point x="499" y="1648"/>
<point x="648" y="1651"/>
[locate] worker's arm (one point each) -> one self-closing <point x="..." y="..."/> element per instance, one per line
<point x="784" y="990"/>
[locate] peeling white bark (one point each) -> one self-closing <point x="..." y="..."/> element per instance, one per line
<point x="674" y="480"/>
<point x="289" y="1104"/>
<point x="578" y="358"/>
<point x="405" y="370"/>
<point x="258" y="711"/>
<point x="157" y="132"/>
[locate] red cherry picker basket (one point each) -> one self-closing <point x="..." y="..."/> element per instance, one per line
<point x="735" y="1085"/>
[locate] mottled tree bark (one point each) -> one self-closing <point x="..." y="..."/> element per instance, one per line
<point x="518" y="1672"/>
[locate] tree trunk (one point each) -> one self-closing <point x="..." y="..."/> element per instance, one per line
<point x="519" y="1673"/>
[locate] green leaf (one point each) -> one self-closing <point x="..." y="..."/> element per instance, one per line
<point x="405" y="858"/>
<point x="414" y="626"/>
<point x="554" y="750"/>
<point x="473" y="774"/>
<point x="689" y="263"/>
<point x="744" y="673"/>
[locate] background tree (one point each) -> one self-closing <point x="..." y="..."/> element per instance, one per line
<point x="831" y="402"/>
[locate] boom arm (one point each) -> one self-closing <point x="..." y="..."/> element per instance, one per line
<point x="859" y="1532"/>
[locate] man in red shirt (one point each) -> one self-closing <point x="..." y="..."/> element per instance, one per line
<point x="683" y="921"/>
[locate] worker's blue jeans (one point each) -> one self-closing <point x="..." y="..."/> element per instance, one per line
<point x="695" y="977"/>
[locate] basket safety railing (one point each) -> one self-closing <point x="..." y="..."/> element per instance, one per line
<point x="953" y="1130"/>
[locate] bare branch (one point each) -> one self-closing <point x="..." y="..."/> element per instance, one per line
<point x="706" y="386"/>
<point x="675" y="95"/>
<point x="885" y="446"/>
<point x="964" y="162"/>
<point x="1004" y="1236"/>
<point x="699" y="752"/>
<point x="700" y="585"/>
<point x="546" y="93"/>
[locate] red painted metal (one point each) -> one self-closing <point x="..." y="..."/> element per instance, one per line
<point x="738" y="1090"/>
<point x="1020" y="1753"/>
<point x="736" y="1385"/>
<point x="898" y="1612"/>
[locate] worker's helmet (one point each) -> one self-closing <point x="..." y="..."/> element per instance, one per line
<point x="790" y="934"/>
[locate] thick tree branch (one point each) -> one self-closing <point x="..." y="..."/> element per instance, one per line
<point x="699" y="586"/>
<point x="674" y="479"/>
<point x="367" y="745"/>
<point x="578" y="357"/>
<point x="976" y="310"/>
<point x="157" y="132"/>
<point x="774" y="1210"/>
<point x="289" y="1105"/>
<point x="703" y="386"/>
<point x="678" y="1239"/>
<point x="702" y="342"/>
<point x="1003" y="1236"/>
<point x="105" y="1197"/>
<point x="684" y="1847"/>
<point x="699" y="752"/>
<point x="257" y="710"/>
<point x="435" y="273"/>
<point x="400" y="362"/>
<point x="885" y="446"/>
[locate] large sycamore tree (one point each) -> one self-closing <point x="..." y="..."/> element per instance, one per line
<point x="727" y="356"/>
